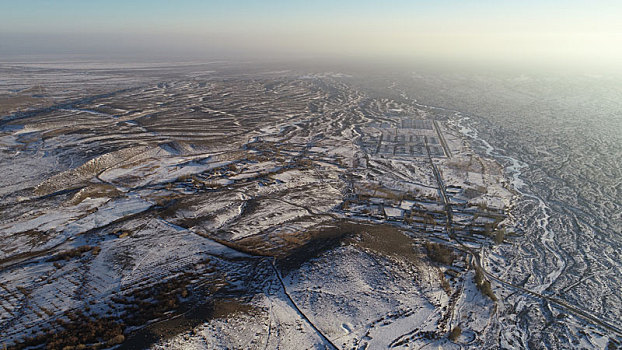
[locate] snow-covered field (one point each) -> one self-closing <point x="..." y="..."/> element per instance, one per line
<point x="204" y="208"/>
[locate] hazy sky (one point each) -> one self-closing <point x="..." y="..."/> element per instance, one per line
<point x="546" y="31"/>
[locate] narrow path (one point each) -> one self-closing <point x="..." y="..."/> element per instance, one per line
<point x="278" y="275"/>
<point x="324" y="337"/>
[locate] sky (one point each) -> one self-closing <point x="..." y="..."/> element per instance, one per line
<point x="556" y="32"/>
